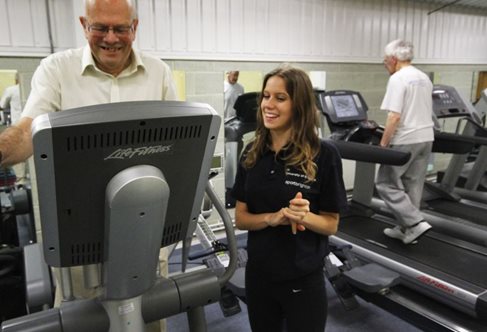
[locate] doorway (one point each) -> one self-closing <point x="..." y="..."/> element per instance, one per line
<point x="481" y="84"/>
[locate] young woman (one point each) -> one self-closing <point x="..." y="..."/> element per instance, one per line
<point x="289" y="191"/>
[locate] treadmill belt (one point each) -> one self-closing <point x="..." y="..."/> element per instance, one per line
<point x="451" y="260"/>
<point x="464" y="211"/>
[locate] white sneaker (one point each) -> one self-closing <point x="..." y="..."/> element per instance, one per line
<point x="415" y="232"/>
<point x="395" y="233"/>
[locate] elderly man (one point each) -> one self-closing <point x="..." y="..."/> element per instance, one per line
<point x="409" y="128"/>
<point x="106" y="70"/>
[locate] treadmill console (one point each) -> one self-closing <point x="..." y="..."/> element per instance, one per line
<point x="343" y="106"/>
<point x="447" y="102"/>
<point x="79" y="152"/>
<point x="346" y="114"/>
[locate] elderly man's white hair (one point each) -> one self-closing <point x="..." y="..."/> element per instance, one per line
<point x="400" y="49"/>
<point x="130" y="3"/>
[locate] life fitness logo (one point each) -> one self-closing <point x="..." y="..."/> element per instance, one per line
<point x="129" y="153"/>
<point x="436" y="284"/>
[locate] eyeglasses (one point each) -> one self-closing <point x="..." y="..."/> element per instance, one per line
<point x="101" y="30"/>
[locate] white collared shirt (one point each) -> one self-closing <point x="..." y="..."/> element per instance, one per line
<point x="71" y="79"/>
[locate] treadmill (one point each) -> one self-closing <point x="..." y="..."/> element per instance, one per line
<point x="476" y="178"/>
<point x="447" y="102"/>
<point x="448" y="212"/>
<point x="433" y="270"/>
<point x="467" y="205"/>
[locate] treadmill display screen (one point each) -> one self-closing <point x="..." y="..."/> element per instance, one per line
<point x="344" y="106"/>
<point x="442" y="96"/>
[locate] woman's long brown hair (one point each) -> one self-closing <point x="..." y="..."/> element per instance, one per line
<point x="304" y="142"/>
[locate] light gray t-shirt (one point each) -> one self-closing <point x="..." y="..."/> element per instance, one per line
<point x="409" y="92"/>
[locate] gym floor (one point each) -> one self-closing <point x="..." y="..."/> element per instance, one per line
<point x="367" y="317"/>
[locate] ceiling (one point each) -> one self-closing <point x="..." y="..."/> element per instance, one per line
<point x="481" y="4"/>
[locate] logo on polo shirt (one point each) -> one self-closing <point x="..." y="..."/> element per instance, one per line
<point x="299" y="180"/>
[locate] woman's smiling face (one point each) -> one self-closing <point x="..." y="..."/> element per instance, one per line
<point x="276" y="105"/>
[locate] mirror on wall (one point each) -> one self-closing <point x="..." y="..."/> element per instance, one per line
<point x="240" y="91"/>
<point x="11" y="109"/>
<point x="179" y="77"/>
<point x="9" y="96"/>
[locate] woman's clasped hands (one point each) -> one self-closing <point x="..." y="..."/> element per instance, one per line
<point x="293" y="215"/>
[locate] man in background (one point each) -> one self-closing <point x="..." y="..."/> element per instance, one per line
<point x="409" y="128"/>
<point x="231" y="90"/>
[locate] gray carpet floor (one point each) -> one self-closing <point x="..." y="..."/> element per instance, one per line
<point x="367" y="317"/>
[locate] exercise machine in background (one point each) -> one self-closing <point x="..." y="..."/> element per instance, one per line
<point x="442" y="196"/>
<point x="17" y="230"/>
<point x="468" y="177"/>
<point x="235" y="128"/>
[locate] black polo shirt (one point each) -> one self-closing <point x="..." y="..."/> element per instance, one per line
<point x="268" y="187"/>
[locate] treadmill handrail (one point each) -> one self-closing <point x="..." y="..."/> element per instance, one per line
<point x="480" y="130"/>
<point x="461" y="138"/>
<point x="453" y="143"/>
<point x="371" y="153"/>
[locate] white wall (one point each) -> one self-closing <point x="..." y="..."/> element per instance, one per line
<point x="277" y="30"/>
